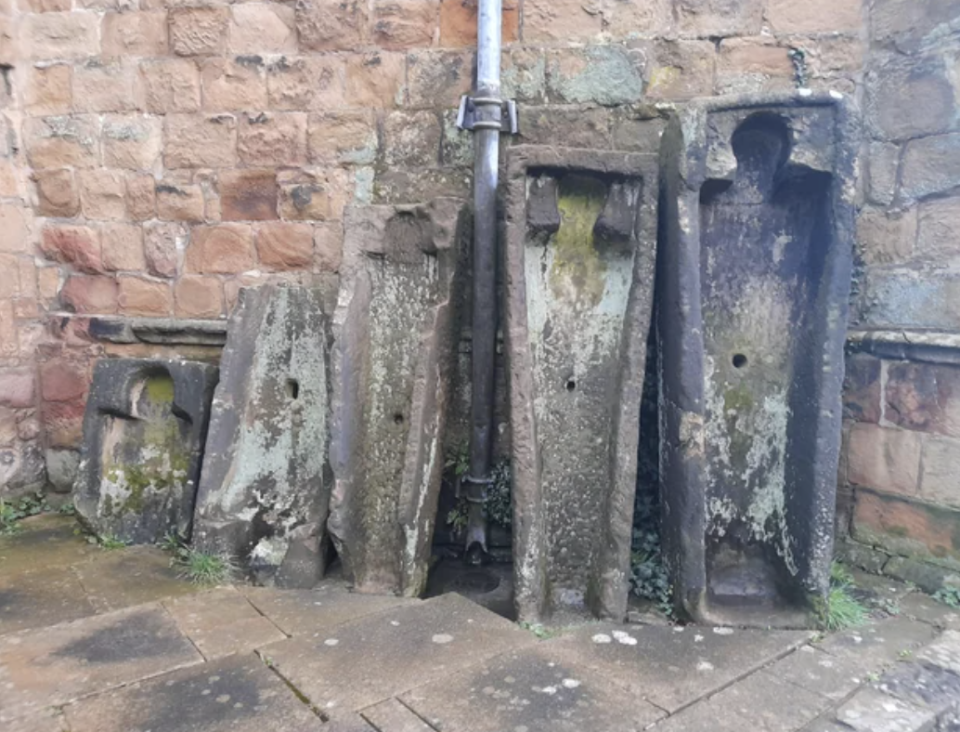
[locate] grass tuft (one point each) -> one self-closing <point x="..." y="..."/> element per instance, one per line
<point x="841" y="609"/>
<point x="206" y="570"/>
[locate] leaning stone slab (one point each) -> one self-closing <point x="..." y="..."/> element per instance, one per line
<point x="143" y="434"/>
<point x="394" y="329"/>
<point x="757" y="235"/>
<point x="265" y="485"/>
<point x="581" y="243"/>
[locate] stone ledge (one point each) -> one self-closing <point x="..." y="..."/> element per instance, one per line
<point x="159" y="331"/>
<point x="928" y="346"/>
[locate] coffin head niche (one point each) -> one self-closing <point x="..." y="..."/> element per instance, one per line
<point x="581" y="238"/>
<point x="755" y="272"/>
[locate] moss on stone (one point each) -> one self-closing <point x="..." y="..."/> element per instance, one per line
<point x="577" y="262"/>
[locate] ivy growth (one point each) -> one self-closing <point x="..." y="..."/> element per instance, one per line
<point x="12" y="512"/>
<point x="948" y="596"/>
<point x="498" y="506"/>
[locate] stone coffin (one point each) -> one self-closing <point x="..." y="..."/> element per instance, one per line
<point x="395" y="343"/>
<point x="580" y="253"/>
<point x="143" y="434"/>
<point x="265" y="487"/>
<point x="757" y="250"/>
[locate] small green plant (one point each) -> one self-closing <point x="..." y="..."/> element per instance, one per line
<point x="14" y="511"/>
<point x="539" y="630"/>
<point x="67" y="509"/>
<point x="798" y="57"/>
<point x="841" y="609"/>
<point x="948" y="596"/>
<point x="498" y="506"/>
<point x="905" y="653"/>
<point x="648" y="575"/>
<point x="172" y="542"/>
<point x="108" y="542"/>
<point x="206" y="570"/>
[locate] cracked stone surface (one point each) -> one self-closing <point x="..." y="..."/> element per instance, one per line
<point x="872" y="711"/>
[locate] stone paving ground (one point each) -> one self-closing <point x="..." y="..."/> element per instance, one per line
<point x="113" y="641"/>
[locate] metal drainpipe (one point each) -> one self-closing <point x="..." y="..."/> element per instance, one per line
<point x="483" y="113"/>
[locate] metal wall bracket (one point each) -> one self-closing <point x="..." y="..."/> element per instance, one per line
<point x="478" y="113"/>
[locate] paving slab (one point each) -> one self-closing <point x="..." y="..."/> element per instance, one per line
<point x="826" y="723"/>
<point x="236" y="694"/>
<point x="221" y="622"/>
<point x="56" y="665"/>
<point x="879" y="642"/>
<point x="133" y="576"/>
<point x="392" y="716"/>
<point x="49" y="720"/>
<point x="43" y="542"/>
<point x="310" y="612"/>
<point x="36" y="599"/>
<point x="530" y="690"/>
<point x="672" y="667"/>
<point x="819" y="672"/>
<point x="361" y="663"/>
<point x="870" y="710"/>
<point x="923" y="685"/>
<point x="878" y="590"/>
<point x="944" y="652"/>
<point x="923" y="607"/>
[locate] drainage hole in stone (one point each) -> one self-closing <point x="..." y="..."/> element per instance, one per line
<point x="293" y="388"/>
<point x="571" y="384"/>
<point x="398" y="418"/>
<point x="739" y="360"/>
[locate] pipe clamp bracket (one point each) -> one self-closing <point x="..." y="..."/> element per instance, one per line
<point x="488" y="113"/>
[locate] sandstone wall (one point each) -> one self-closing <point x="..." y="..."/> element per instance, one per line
<point x="156" y="155"/>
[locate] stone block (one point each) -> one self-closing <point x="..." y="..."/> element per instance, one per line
<point x="905" y="24"/>
<point x="265" y="485"/>
<point x="121" y="247"/>
<point x="637" y="18"/>
<point x="342" y="137"/>
<point x="133" y="143"/>
<point x="17" y="387"/>
<point x="63" y="381"/>
<point x="923" y="397"/>
<point x="885" y="236"/>
<point x="402" y="24"/>
<point x="220" y="249"/>
<point x="605" y="75"/>
<point x="328" y="246"/>
<point x="102" y="194"/>
<point x="283" y="245"/>
<point x="75" y="245"/>
<point x="909" y="299"/>
<point x="65" y="35"/>
<point x="753" y="65"/>
<point x="99" y="87"/>
<point x="551" y="21"/>
<point x="49" y="90"/>
<point x="311" y="82"/>
<point x="181" y="202"/>
<point x="57" y="193"/>
<point x="62" y="468"/>
<point x="233" y="85"/>
<point x="523" y="74"/>
<point x="679" y="70"/>
<point x="306" y="196"/>
<point x="161" y="246"/>
<point x="880" y="172"/>
<point x="141" y="296"/>
<point x="170" y="85"/>
<point x="13" y="228"/>
<point x="411" y="139"/>
<point x="712" y="18"/>
<point x="257" y="28"/>
<point x="248" y="195"/>
<point x="938" y="237"/>
<point x="375" y="80"/>
<point x="198" y="31"/>
<point x="274" y="139"/>
<point x="393" y="326"/>
<point x="332" y="25"/>
<point x="198" y="297"/>
<point x="200" y="142"/>
<point x="55" y="142"/>
<point x="89" y="294"/>
<point x="861" y="388"/>
<point x="907" y="97"/>
<point x="141" y="197"/>
<point x="884" y="459"/>
<point x="458" y="23"/>
<point x="908" y="528"/>
<point x="142" y="446"/>
<point x="939" y="482"/>
<point x="21" y="469"/>
<point x="438" y="78"/>
<point x="134" y="34"/>
<point x="816" y="16"/>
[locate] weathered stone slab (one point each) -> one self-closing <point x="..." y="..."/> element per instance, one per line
<point x="673" y="666"/>
<point x="143" y="443"/>
<point x="880" y="643"/>
<point x="53" y="666"/>
<point x="758" y="252"/>
<point x="392" y="716"/>
<point x="35" y="599"/>
<point x="821" y="673"/>
<point x="43" y="542"/>
<point x="924" y="685"/>
<point x="308" y="612"/>
<point x="579" y="292"/>
<point x="265" y="486"/>
<point x="531" y="690"/>
<point x="355" y="665"/>
<point x="122" y="578"/>
<point x="944" y="652"/>
<point x="872" y="711"/>
<point x="925" y="608"/>
<point x="238" y="694"/>
<point x="221" y="622"/>
<point x="394" y="328"/>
